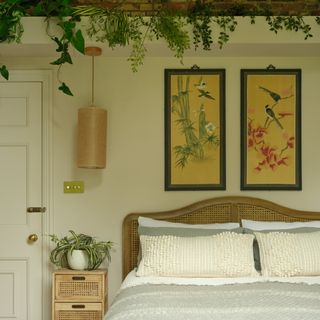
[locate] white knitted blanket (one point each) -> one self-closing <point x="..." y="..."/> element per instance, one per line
<point x="262" y="301"/>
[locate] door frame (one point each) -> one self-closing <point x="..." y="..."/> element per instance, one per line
<point x="45" y="78"/>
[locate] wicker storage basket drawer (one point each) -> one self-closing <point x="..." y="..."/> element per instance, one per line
<point x="79" y="295"/>
<point x="86" y="287"/>
<point x="78" y="311"/>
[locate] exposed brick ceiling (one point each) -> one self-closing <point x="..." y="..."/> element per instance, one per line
<point x="289" y="7"/>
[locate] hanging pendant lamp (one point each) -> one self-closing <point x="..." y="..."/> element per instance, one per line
<point x="92" y="128"/>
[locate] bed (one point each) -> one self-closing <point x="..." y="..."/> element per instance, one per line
<point x="249" y="296"/>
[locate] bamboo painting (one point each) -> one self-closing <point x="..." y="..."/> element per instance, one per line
<point x="194" y="129"/>
<point x="270" y="130"/>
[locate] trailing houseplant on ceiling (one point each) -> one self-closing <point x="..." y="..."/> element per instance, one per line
<point x="79" y="251"/>
<point x="119" y="28"/>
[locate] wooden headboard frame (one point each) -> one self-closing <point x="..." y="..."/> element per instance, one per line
<point x="216" y="210"/>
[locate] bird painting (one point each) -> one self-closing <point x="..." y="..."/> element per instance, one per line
<point x="270" y="113"/>
<point x="205" y="94"/>
<point x="202" y="89"/>
<point x="275" y="96"/>
<point x="201" y="85"/>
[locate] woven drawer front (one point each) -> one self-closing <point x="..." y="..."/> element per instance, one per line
<point x="70" y="311"/>
<point x="88" y="287"/>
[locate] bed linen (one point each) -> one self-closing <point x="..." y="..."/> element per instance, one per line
<point x="163" y="298"/>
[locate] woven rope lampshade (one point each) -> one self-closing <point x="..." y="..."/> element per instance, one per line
<point x="92" y="129"/>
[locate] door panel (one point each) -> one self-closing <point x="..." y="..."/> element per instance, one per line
<point x="13" y="111"/>
<point x="13" y="288"/>
<point x="13" y="159"/>
<point x="20" y="188"/>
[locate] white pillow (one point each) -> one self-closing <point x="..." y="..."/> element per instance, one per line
<point x="285" y="254"/>
<point x="227" y="254"/>
<point x="277" y="225"/>
<point x="148" y="222"/>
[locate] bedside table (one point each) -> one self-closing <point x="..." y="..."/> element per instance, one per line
<point x="79" y="295"/>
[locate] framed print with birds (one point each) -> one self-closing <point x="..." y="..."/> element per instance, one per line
<point x="271" y="129"/>
<point x="195" y="129"/>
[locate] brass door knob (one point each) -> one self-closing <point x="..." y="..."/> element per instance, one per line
<point x="33" y="237"/>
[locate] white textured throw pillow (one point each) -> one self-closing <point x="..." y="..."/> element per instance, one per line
<point x="227" y="254"/>
<point x="284" y="254"/>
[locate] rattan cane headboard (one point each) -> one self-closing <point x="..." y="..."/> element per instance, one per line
<point x="216" y="210"/>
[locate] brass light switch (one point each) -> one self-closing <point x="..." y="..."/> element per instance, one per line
<point x="73" y="187"/>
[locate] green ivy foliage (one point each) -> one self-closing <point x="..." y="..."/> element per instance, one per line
<point x="120" y="28"/>
<point x="200" y="18"/>
<point x="171" y="28"/>
<point x="11" y="28"/>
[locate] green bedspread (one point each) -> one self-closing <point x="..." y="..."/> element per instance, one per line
<point x="262" y="301"/>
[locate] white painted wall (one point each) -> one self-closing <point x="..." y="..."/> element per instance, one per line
<point x="134" y="178"/>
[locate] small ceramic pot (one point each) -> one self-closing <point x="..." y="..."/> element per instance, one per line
<point x="78" y="260"/>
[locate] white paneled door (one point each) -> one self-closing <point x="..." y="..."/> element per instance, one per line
<point x="21" y="187"/>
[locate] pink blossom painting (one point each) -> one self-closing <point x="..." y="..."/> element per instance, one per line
<point x="271" y="129"/>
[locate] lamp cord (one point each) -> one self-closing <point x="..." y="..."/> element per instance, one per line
<point x="92" y="81"/>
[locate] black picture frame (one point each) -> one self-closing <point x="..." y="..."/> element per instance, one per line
<point x="271" y="129"/>
<point x="194" y="129"/>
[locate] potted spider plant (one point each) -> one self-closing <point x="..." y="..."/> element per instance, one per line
<point x="79" y="251"/>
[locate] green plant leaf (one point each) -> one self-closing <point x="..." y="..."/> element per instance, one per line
<point x="57" y="8"/>
<point x="64" y="58"/>
<point x="11" y="12"/>
<point x="68" y="28"/>
<point x="61" y="46"/>
<point x="65" y="89"/>
<point x="39" y="9"/>
<point x="113" y="27"/>
<point x="200" y="19"/>
<point x="4" y="30"/>
<point x="78" y="41"/>
<point x="4" y="72"/>
<point x="171" y="28"/>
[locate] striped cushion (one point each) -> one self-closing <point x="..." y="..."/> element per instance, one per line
<point x="227" y="254"/>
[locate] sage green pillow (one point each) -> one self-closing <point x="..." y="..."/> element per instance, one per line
<point x="256" y="254"/>
<point x="182" y="232"/>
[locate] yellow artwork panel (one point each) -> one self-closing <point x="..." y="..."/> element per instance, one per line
<point x="271" y="117"/>
<point x="195" y="125"/>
